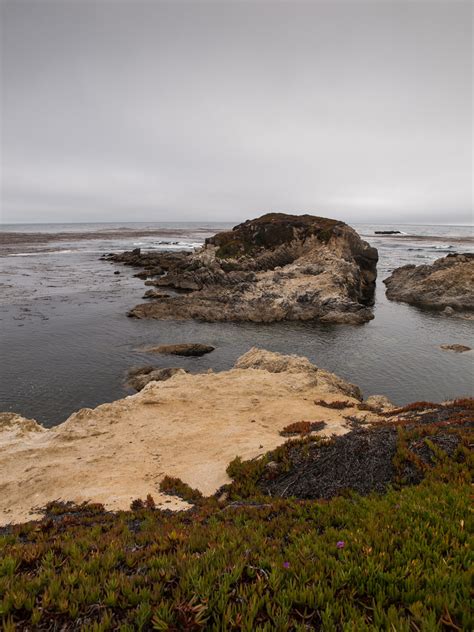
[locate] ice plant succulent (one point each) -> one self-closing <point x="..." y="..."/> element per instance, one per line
<point x="221" y="564"/>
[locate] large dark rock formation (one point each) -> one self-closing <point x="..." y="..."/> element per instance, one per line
<point x="276" y="267"/>
<point x="446" y="283"/>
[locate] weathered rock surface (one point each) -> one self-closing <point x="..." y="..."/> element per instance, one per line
<point x="16" y="426"/>
<point x="274" y="362"/>
<point x="155" y="294"/>
<point x="189" y="426"/>
<point x="187" y="349"/>
<point x="379" y="402"/>
<point x="277" y="267"/>
<point x="446" y="283"/>
<point x="139" y="377"/>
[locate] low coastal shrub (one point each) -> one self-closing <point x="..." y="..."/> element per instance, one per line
<point x="336" y="405"/>
<point x="302" y="428"/>
<point x="138" y="503"/>
<point x="176" y="487"/>
<point x="398" y="560"/>
<point x="394" y="562"/>
<point x="414" y="406"/>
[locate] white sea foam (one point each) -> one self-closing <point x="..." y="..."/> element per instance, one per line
<point x="40" y="253"/>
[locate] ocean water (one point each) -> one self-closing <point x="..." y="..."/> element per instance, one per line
<point x="66" y="342"/>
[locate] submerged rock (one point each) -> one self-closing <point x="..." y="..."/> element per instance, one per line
<point x="183" y="349"/>
<point x="276" y="267"/>
<point x="447" y="284"/>
<point x="456" y="348"/>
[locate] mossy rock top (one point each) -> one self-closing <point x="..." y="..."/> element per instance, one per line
<point x="271" y="231"/>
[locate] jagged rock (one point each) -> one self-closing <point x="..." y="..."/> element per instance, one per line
<point x="446" y="283"/>
<point x="379" y="402"/>
<point x="18" y="426"/>
<point x="152" y="262"/>
<point x="138" y="378"/>
<point x="183" y="349"/>
<point x="274" y="362"/>
<point x="277" y="363"/>
<point x="456" y="348"/>
<point x="155" y="294"/>
<point x="277" y="267"/>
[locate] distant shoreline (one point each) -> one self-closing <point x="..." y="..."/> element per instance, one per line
<point x="11" y="238"/>
<point x="10" y="242"/>
<point x="458" y="239"/>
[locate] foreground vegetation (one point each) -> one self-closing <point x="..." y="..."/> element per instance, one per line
<point x="394" y="561"/>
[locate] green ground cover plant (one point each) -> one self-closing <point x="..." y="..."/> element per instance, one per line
<point x="398" y="560"/>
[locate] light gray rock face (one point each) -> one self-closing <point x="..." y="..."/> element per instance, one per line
<point x="447" y="284"/>
<point x="277" y="267"/>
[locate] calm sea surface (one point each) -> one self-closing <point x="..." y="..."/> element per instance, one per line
<point x="67" y="343"/>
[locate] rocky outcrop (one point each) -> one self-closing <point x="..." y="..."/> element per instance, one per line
<point x="447" y="284"/>
<point x="274" y="362"/>
<point x="277" y="267"/>
<point x="188" y="426"/>
<point x="379" y="402"/>
<point x="155" y="294"/>
<point x="139" y="377"/>
<point x="14" y="425"/>
<point x="187" y="349"/>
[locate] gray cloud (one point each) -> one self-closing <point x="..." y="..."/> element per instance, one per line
<point x="151" y="110"/>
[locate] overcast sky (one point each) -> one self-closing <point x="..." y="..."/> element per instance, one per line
<point x="114" y="110"/>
